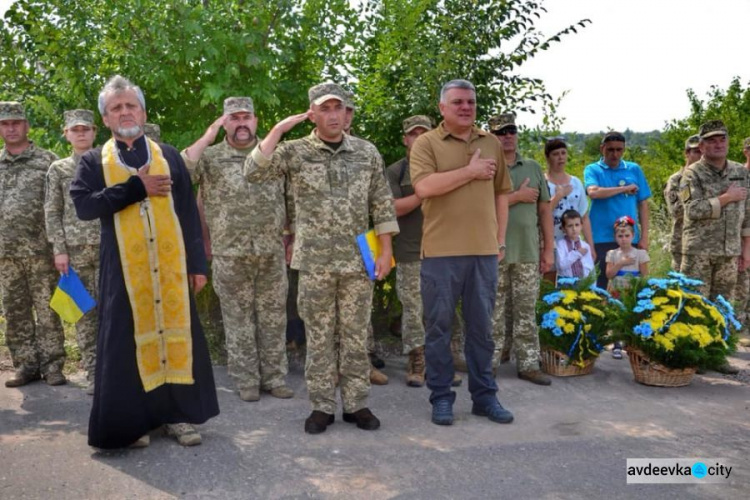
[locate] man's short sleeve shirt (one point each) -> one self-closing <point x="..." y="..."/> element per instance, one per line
<point x="407" y="243"/>
<point x="522" y="236"/>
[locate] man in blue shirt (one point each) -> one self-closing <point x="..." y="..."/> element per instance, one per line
<point x="616" y="188"/>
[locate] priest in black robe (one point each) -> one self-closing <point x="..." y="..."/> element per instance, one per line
<point x="124" y="412"/>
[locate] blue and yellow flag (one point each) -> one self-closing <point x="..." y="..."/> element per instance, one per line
<point x="369" y="247"/>
<point x="71" y="300"/>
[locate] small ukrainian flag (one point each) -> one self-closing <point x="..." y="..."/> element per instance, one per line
<point x="369" y="247"/>
<point x="71" y="300"/>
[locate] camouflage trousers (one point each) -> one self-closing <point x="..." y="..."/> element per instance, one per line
<point x="334" y="301"/>
<point x="412" y="318"/>
<point x="717" y="272"/>
<point x="741" y="295"/>
<point x="514" y="321"/>
<point x="36" y="342"/>
<point x="252" y="291"/>
<point x="85" y="261"/>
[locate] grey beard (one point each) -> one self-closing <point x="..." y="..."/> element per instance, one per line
<point x="130" y="132"/>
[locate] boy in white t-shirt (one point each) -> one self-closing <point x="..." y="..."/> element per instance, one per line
<point x="573" y="254"/>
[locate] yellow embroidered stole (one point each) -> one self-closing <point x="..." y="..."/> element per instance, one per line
<point x="152" y="253"/>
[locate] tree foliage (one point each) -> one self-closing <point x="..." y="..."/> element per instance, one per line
<point x="189" y="55"/>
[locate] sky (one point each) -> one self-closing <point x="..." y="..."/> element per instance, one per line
<point x="631" y="67"/>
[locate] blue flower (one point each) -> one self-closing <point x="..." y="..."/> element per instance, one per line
<point x="557" y="331"/>
<point x="645" y="304"/>
<point x="644" y="330"/>
<point x="567" y="281"/>
<point x="726" y="305"/>
<point x="684" y="280"/>
<point x="676" y="275"/>
<point x="553" y="298"/>
<point x="549" y="320"/>
<point x="646" y="293"/>
<point x="617" y="303"/>
<point x="638" y="309"/>
<point x="600" y="291"/>
<point x="659" y="282"/>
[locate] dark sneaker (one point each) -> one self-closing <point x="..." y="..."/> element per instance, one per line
<point x="376" y="361"/>
<point x="318" y="421"/>
<point x="363" y="418"/>
<point x="494" y="411"/>
<point x="55" y="378"/>
<point x="22" y="377"/>
<point x="442" y="412"/>
<point x="727" y="369"/>
<point x="535" y="377"/>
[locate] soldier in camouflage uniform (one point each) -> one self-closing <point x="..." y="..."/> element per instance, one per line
<point x="742" y="290"/>
<point x="716" y="233"/>
<point x="337" y="184"/>
<point x="674" y="205"/>
<point x="520" y="272"/>
<point x="75" y="242"/>
<point x="27" y="276"/>
<point x="245" y="221"/>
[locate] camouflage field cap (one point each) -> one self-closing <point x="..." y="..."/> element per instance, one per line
<point x="712" y="128"/>
<point x="349" y="101"/>
<point x="692" y="142"/>
<point x="152" y="131"/>
<point x="324" y="91"/>
<point x="238" y="105"/>
<point x="12" y="110"/>
<point x="417" y="121"/>
<point x="499" y="122"/>
<point x="746" y="143"/>
<point x="75" y="117"/>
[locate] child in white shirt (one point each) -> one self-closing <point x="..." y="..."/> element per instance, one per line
<point x="573" y="254"/>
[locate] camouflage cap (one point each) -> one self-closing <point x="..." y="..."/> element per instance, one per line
<point x="417" y="121"/>
<point x="324" y="91"/>
<point x="692" y="142"/>
<point x="238" y="105"/>
<point x="12" y="110"/>
<point x="746" y="143"/>
<point x="499" y="122"/>
<point x="349" y="101"/>
<point x="75" y="117"/>
<point x="712" y="128"/>
<point x="152" y="131"/>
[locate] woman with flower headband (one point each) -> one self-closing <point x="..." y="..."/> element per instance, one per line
<point x="625" y="262"/>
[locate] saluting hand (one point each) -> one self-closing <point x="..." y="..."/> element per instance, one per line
<point x="156" y="185"/>
<point x="290" y="122"/>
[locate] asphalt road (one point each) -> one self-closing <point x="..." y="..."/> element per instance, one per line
<point x="569" y="441"/>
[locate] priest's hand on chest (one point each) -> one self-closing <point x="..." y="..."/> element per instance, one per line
<point x="156" y="185"/>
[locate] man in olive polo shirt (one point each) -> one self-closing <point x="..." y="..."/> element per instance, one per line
<point x="519" y="273"/>
<point x="459" y="172"/>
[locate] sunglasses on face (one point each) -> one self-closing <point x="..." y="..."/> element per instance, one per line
<point x="506" y="130"/>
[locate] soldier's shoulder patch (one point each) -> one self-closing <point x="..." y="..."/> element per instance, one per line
<point x="684" y="192"/>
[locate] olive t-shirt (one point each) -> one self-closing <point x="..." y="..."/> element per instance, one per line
<point x="408" y="241"/>
<point x="523" y="221"/>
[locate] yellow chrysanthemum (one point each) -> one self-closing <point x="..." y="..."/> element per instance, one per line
<point x="587" y="329"/>
<point x="694" y="312"/>
<point x="568" y="328"/>
<point x="588" y="296"/>
<point x="658" y="301"/>
<point x="593" y="310"/>
<point x="664" y="342"/>
<point x="569" y="296"/>
<point x="674" y="293"/>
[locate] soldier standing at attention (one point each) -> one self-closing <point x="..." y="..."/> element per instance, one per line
<point x="520" y="271"/>
<point x="716" y="234"/>
<point x="245" y="221"/>
<point x="27" y="276"/>
<point x="337" y="184"/>
<point x="75" y="242"/>
<point x="674" y="205"/>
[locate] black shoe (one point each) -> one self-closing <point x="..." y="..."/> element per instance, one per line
<point x="376" y="361"/>
<point x="363" y="418"/>
<point x="318" y="421"/>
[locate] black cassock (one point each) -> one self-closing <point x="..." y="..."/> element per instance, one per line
<point x="122" y="411"/>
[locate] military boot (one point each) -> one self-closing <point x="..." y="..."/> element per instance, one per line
<point x="22" y="377"/>
<point x="377" y="377"/>
<point x="535" y="377"/>
<point x="416" y="368"/>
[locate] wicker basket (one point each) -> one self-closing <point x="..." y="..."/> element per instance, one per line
<point x="556" y="363"/>
<point x="648" y="372"/>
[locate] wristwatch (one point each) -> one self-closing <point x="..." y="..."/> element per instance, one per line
<point x="500" y="247"/>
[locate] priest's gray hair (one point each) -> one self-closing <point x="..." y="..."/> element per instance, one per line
<point x="456" y="84"/>
<point x="118" y="84"/>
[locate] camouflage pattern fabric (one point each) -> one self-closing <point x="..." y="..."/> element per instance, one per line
<point x="22" y="185"/>
<point x="742" y="294"/>
<point x="252" y="291"/>
<point x="244" y="218"/>
<point x="75" y="117"/>
<point x="408" y="291"/>
<point x="85" y="260"/>
<point x="677" y="212"/>
<point x="334" y="194"/>
<point x="64" y="228"/>
<point x="520" y="283"/>
<point x="709" y="229"/>
<point x="12" y="110"/>
<point x="35" y="341"/>
<point x="718" y="273"/>
<point x="326" y="299"/>
<point x="238" y="105"/>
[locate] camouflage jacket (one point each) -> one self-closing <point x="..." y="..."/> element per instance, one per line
<point x="243" y="218"/>
<point x="676" y="211"/>
<point x="334" y="195"/>
<point x="22" y="181"/>
<point x="64" y="228"/>
<point x="709" y="228"/>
